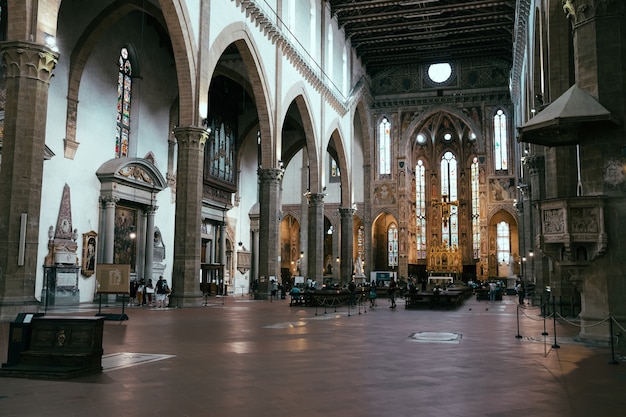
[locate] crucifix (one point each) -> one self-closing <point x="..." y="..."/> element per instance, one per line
<point x="445" y="207"/>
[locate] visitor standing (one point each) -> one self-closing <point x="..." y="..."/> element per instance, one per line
<point x="521" y="292"/>
<point x="141" y="288"/>
<point x="161" y="292"/>
<point x="492" y="291"/>
<point x="392" y="292"/>
<point x="274" y="289"/>
<point x="373" y="294"/>
<point x="133" y="293"/>
<point x="149" y="292"/>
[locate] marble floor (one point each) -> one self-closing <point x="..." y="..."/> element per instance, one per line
<point x="239" y="357"/>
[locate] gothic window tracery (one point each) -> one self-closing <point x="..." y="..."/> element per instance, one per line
<point x="392" y="245"/>
<point x="500" y="138"/>
<point x="420" y="200"/>
<point x="449" y="196"/>
<point x="124" y="88"/>
<point x="503" y="242"/>
<point x="475" y="182"/>
<point x="384" y="147"/>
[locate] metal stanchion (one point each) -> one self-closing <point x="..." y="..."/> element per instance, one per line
<point x="612" y="361"/>
<point x="518" y="336"/>
<point x="555" y="345"/>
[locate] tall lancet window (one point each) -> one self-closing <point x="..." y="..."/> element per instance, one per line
<point x="475" y="182"/>
<point x="449" y="197"/>
<point x="392" y="245"/>
<point x="124" y="87"/>
<point x="500" y="137"/>
<point x="420" y="208"/>
<point x="384" y="147"/>
<point x="503" y="242"/>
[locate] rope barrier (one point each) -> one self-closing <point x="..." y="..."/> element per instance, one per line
<point x="563" y="320"/>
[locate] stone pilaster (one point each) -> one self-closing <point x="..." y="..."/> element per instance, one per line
<point x="347" y="244"/>
<point x="187" y="239"/>
<point x="315" y="252"/>
<point x="269" y="238"/>
<point x="150" y="242"/>
<point x="28" y="70"/>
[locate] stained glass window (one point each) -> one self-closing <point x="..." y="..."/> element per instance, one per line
<point x="392" y="245"/>
<point x="384" y="147"/>
<point x="124" y="88"/>
<point x="475" y="169"/>
<point x="420" y="211"/>
<point x="500" y="136"/>
<point x="503" y="242"/>
<point x="450" y="224"/>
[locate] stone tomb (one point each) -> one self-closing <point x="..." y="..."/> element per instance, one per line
<point x="60" y="347"/>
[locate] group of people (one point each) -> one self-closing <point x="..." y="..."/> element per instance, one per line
<point x="144" y="293"/>
<point x="391" y="293"/>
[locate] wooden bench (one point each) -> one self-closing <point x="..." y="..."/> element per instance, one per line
<point x="448" y="299"/>
<point x="60" y="347"/>
<point x="299" y="299"/>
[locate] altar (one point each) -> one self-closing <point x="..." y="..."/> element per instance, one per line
<point x="440" y="279"/>
<point x="444" y="263"/>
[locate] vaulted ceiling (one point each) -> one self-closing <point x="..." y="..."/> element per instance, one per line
<point x="388" y="33"/>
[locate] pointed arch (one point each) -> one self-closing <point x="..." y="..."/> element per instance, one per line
<point x="238" y="34"/>
<point x="173" y="22"/>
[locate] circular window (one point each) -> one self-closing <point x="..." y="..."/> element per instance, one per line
<point x="421" y="138"/>
<point x="440" y="73"/>
<point x="447" y="137"/>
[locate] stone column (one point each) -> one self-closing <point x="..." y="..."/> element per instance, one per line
<point x="149" y="256"/>
<point x="109" y="228"/>
<point x="315" y="253"/>
<point x="347" y="244"/>
<point x="28" y="70"/>
<point x="269" y="237"/>
<point x="222" y="255"/>
<point x="187" y="238"/>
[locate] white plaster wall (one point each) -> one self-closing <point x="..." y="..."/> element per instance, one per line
<point x="248" y="194"/>
<point x="151" y="100"/>
<point x="292" y="181"/>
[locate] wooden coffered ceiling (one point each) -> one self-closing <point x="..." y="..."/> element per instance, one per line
<point x="389" y="33"/>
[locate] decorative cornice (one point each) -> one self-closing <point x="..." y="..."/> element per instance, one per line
<point x="429" y="101"/>
<point x="69" y="148"/>
<point x="265" y="19"/>
<point x="520" y="37"/>
<point x="28" y="60"/>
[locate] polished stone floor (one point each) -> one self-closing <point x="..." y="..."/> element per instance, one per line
<point x="238" y="357"/>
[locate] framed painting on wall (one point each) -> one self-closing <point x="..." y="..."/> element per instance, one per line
<point x="90" y="246"/>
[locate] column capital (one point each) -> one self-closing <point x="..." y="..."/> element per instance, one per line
<point x="29" y="60"/>
<point x="346" y="212"/>
<point x="580" y="12"/>
<point x="191" y="137"/>
<point x="315" y="198"/>
<point x="150" y="210"/>
<point x="270" y="174"/>
<point x="534" y="163"/>
<point x="108" y="200"/>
